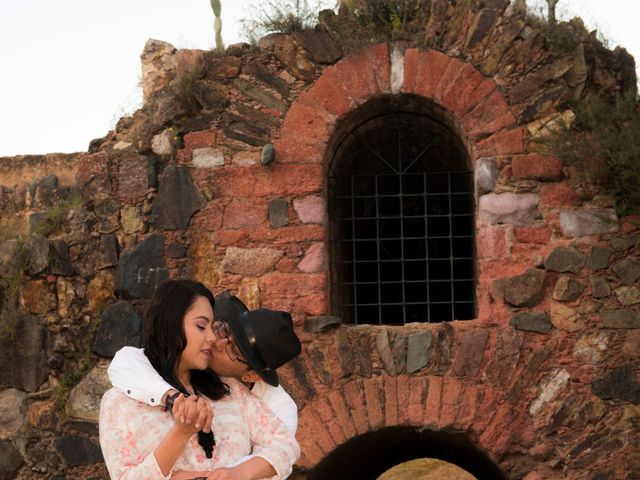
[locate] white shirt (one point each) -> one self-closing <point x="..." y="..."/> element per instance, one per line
<point x="131" y="373"/>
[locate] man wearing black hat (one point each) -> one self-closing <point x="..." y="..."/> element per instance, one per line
<point x="250" y="346"/>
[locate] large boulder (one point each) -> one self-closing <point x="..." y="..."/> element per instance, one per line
<point x="142" y="269"/>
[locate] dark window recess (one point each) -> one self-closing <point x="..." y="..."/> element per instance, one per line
<point x="402" y="225"/>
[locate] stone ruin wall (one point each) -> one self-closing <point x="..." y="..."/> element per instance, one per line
<point x="544" y="381"/>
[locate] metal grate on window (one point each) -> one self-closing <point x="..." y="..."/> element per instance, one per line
<point x="403" y="247"/>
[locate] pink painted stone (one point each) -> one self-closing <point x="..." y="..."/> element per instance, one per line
<point x="310" y="209"/>
<point x="314" y="260"/>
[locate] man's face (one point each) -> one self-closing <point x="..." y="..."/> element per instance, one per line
<point x="226" y="359"/>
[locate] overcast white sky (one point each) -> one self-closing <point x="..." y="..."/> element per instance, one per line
<point x="69" y="69"/>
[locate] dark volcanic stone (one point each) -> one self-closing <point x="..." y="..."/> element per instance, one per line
<point x="142" y="269"/>
<point x="418" y="345"/>
<point x="23" y="355"/>
<point x="627" y="270"/>
<point x="107" y="252"/>
<point x="564" y="259"/>
<point x="177" y="200"/>
<point x="538" y="322"/>
<point x="278" y="213"/>
<point x="77" y="450"/>
<point x="600" y="287"/>
<point x="119" y="326"/>
<point x="107" y="211"/>
<point x="60" y="262"/>
<point x="264" y="75"/>
<point x="567" y="289"/>
<point x="43" y="191"/>
<point x="320" y="45"/>
<point x="241" y="129"/>
<point x="444" y="340"/>
<point x="10" y="460"/>
<point x="619" y="384"/>
<point x="346" y="356"/>
<point x="175" y="250"/>
<point x="524" y="290"/>
<point x="469" y="356"/>
<point x="321" y="324"/>
<point x="620" y="318"/>
<point x="318" y="359"/>
<point x="302" y="379"/>
<point x="267" y="155"/>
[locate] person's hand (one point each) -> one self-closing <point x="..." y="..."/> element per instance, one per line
<point x="232" y="473"/>
<point x="191" y="414"/>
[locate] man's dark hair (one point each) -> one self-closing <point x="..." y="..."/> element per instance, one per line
<point x="164" y="338"/>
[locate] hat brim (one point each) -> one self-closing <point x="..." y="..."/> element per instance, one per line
<point x="241" y="329"/>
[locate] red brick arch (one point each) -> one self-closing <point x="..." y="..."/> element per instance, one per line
<point x="475" y="103"/>
<point x="437" y="402"/>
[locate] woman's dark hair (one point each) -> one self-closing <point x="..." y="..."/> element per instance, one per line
<point x="164" y="338"/>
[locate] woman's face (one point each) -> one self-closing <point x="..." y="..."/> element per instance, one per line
<point x="197" y="330"/>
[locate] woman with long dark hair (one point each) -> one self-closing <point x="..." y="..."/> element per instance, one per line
<point x="143" y="442"/>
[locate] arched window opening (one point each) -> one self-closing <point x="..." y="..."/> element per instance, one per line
<point x="401" y="210"/>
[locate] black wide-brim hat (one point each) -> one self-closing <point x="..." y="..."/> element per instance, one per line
<point x="267" y="340"/>
<point x="228" y="308"/>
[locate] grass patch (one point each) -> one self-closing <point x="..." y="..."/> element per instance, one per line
<point x="70" y="379"/>
<point x="356" y="24"/>
<point x="280" y="16"/>
<point x="183" y="87"/>
<point x="10" y="283"/>
<point x="603" y="144"/>
<point x="84" y="365"/>
<point x="54" y="218"/>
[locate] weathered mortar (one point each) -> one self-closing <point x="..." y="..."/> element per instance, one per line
<point x="544" y="381"/>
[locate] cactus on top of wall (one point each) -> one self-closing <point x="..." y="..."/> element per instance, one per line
<point x="216" y="6"/>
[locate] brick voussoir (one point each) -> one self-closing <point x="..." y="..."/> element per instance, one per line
<point x="343" y="415"/>
<point x="432" y="405"/>
<point x="489" y="116"/>
<point x="311" y="453"/>
<point x="432" y="66"/>
<point x="355" y="401"/>
<point x="391" y="401"/>
<point x="374" y="398"/>
<point x="330" y="93"/>
<point x="305" y="122"/>
<point x="487" y="400"/>
<point x="411" y="65"/>
<point x="403" y="393"/>
<point x="328" y="417"/>
<point x="357" y="72"/>
<point x="418" y="389"/>
<point x="316" y="427"/>
<point x="482" y="90"/>
<point x="380" y="58"/>
<point x="450" y="401"/>
<point x="467" y="408"/>
<point x="459" y="92"/>
<point x="448" y="79"/>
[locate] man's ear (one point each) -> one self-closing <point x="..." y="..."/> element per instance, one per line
<point x="250" y="377"/>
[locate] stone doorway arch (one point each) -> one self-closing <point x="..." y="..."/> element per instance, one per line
<point x="370" y="455"/>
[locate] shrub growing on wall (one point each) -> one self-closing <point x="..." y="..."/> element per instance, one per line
<point x="604" y="145"/>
